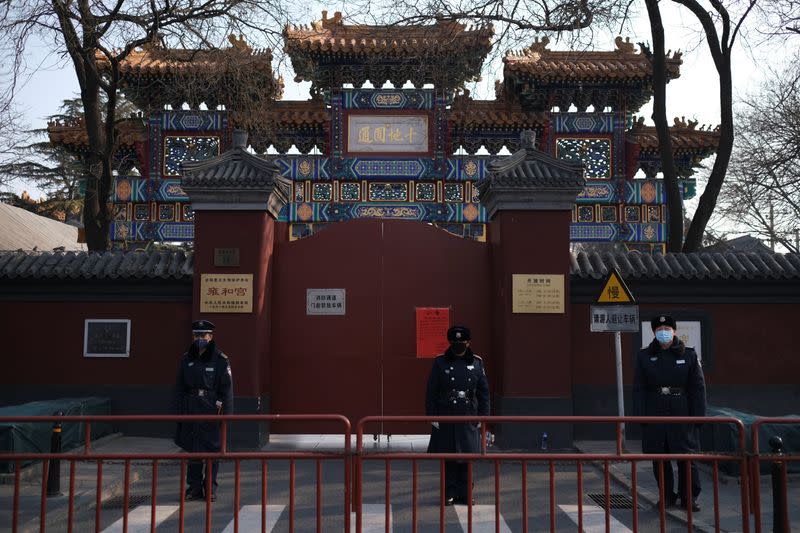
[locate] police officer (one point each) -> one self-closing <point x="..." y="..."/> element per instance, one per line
<point x="204" y="387"/>
<point x="457" y="386"/>
<point x="669" y="382"/>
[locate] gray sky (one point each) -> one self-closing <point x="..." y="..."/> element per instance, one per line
<point x="693" y="95"/>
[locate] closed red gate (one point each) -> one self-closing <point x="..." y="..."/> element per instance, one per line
<point x="364" y="363"/>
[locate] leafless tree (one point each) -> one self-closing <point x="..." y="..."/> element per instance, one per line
<point x="85" y="31"/>
<point x="762" y="191"/>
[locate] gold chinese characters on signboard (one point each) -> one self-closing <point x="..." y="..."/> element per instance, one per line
<point x="226" y="293"/>
<point x="387" y="134"/>
<point x="537" y="293"/>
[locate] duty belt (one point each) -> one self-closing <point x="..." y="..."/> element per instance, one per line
<point x="460" y="395"/>
<point x="200" y="392"/>
<point x="669" y="391"/>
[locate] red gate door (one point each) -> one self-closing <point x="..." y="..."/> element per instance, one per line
<point x="364" y="362"/>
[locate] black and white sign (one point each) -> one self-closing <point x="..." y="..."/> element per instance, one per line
<point x="103" y="337"/>
<point x="325" y="301"/>
<point x="624" y="318"/>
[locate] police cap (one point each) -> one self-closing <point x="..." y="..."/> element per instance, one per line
<point x="203" y="326"/>
<point x="663" y="320"/>
<point x="458" y="334"/>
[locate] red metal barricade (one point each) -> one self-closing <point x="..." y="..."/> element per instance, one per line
<point x="552" y="466"/>
<point x="780" y="486"/>
<point x="578" y="459"/>
<point x="155" y="458"/>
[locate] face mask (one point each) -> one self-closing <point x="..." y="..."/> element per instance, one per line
<point x="664" y="336"/>
<point x="458" y="347"/>
<point x="201" y="344"/>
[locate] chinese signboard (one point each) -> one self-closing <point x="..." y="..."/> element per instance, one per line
<point x="537" y="293"/>
<point x="432" y="324"/>
<point x="395" y="134"/>
<point x="226" y="257"/>
<point x="104" y="337"/>
<point x="226" y="293"/>
<point x="325" y="301"/>
<point x="614" y="290"/>
<point x="614" y="318"/>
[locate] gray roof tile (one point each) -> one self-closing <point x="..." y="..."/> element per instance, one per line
<point x="178" y="265"/>
<point x="96" y="265"/>
<point x="690" y="266"/>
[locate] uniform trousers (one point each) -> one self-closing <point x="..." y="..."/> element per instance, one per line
<point x="669" y="480"/>
<point x="194" y="475"/>
<point x="456" y="479"/>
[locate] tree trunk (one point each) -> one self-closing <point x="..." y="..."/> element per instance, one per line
<point x="708" y="200"/>
<point x="96" y="216"/>
<point x="658" y="60"/>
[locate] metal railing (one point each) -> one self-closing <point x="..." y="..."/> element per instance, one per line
<point x="578" y="459"/>
<point x="780" y="485"/>
<point x="155" y="458"/>
<point x="351" y="483"/>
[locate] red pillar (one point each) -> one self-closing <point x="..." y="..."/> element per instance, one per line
<point x="237" y="215"/>
<point x="529" y="198"/>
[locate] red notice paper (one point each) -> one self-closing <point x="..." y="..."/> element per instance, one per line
<point x="432" y="324"/>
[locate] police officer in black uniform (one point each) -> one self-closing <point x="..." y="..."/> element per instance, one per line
<point x="204" y="387"/>
<point x="457" y="386"/>
<point x="669" y="382"/>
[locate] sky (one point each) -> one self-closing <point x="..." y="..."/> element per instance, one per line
<point x="694" y="95"/>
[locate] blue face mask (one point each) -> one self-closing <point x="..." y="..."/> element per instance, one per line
<point x="201" y="344"/>
<point x="664" y="336"/>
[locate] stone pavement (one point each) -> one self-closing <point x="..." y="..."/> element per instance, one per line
<point x="730" y="499"/>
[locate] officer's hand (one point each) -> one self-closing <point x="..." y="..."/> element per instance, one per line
<point x="435" y="424"/>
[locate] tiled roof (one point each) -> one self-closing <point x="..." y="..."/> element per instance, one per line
<point x="22" y="229"/>
<point x="73" y="134"/>
<point x="96" y="265"/>
<point x="333" y="36"/>
<point x="235" y="168"/>
<point x="153" y="60"/>
<point x="468" y="113"/>
<point x="178" y="265"/>
<point x="529" y="167"/>
<point x="291" y="113"/>
<point x="622" y="64"/>
<point x="689" y="266"/>
<point x="685" y="136"/>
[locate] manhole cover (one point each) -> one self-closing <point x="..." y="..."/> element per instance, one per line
<point x="616" y="500"/>
<point x="134" y="500"/>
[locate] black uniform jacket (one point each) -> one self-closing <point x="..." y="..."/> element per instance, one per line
<point x="676" y="367"/>
<point x="449" y="375"/>
<point x="202" y="381"/>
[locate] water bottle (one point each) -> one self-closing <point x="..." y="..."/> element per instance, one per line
<point x="544" y="441"/>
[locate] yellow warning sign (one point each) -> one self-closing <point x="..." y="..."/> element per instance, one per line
<point x="614" y="290"/>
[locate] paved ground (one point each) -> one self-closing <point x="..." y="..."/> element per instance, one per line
<point x="301" y="508"/>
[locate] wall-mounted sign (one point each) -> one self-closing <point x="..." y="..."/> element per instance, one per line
<point x="689" y="331"/>
<point x="432" y="325"/>
<point x="325" y="301"/>
<point x="623" y="318"/>
<point x="226" y="257"/>
<point x="103" y="337"/>
<point x="537" y="293"/>
<point x="382" y="133"/>
<point x="226" y="293"/>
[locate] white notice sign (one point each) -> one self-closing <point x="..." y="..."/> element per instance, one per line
<point x="325" y="301"/>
